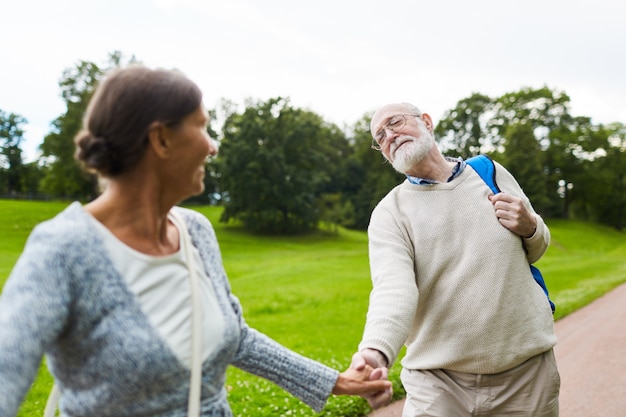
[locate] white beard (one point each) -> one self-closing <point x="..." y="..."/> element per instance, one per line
<point x="412" y="153"/>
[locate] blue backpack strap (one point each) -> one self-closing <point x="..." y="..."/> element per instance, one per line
<point x="483" y="165"/>
<point x="486" y="169"/>
<point x="542" y="283"/>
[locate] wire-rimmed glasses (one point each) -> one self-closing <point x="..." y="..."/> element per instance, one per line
<point x="394" y="123"/>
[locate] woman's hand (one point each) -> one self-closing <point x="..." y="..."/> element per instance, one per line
<point x="366" y="382"/>
<point x="375" y="359"/>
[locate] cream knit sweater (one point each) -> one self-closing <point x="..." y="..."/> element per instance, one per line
<point x="451" y="282"/>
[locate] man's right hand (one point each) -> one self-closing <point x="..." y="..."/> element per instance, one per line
<point x="378" y="361"/>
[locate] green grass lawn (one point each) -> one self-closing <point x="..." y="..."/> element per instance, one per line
<point x="311" y="293"/>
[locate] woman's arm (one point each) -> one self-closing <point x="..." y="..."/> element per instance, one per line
<point x="33" y="311"/>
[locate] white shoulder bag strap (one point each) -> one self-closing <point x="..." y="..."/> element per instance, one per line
<point x="53" y="400"/>
<point x="196" y="319"/>
<point x="193" y="409"/>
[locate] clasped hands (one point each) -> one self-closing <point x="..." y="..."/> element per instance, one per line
<point x="367" y="377"/>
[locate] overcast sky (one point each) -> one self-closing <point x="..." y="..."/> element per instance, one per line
<point x="337" y="58"/>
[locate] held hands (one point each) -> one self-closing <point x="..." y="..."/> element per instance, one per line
<point x="513" y="214"/>
<point x="371" y="359"/>
<point x="365" y="382"/>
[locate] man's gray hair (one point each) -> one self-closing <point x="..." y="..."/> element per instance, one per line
<point x="413" y="109"/>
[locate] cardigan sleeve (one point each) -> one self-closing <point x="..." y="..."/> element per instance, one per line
<point x="306" y="379"/>
<point x="33" y="311"/>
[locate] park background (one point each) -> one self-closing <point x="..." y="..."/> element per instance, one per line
<point x="290" y="88"/>
<point x="310" y="292"/>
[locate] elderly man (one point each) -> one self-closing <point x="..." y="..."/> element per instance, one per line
<point x="451" y="281"/>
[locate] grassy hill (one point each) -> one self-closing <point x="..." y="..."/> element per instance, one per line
<point x="311" y="293"/>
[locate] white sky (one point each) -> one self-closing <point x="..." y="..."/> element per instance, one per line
<point x="337" y="58"/>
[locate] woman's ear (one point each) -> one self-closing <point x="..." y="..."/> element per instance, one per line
<point x="157" y="139"/>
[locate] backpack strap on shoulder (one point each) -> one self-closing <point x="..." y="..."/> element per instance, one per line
<point x="485" y="168"/>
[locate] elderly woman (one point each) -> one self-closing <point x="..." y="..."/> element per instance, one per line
<point x="104" y="289"/>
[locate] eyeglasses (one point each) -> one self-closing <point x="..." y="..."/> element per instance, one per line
<point x="394" y="123"/>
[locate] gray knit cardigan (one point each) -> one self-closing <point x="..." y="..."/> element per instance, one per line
<point x="64" y="298"/>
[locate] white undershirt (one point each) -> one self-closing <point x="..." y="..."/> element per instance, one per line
<point x="161" y="283"/>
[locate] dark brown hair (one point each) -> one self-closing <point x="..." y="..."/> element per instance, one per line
<point x="125" y="104"/>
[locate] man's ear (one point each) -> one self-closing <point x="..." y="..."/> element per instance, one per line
<point x="428" y="121"/>
<point x="157" y="139"/>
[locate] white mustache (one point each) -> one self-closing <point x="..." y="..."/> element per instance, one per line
<point x="400" y="140"/>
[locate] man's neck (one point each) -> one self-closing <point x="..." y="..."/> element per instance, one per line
<point x="438" y="169"/>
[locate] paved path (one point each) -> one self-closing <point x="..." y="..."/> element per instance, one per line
<point x="591" y="356"/>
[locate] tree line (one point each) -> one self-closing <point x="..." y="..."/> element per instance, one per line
<point x="283" y="169"/>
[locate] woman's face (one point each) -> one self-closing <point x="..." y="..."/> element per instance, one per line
<point x="190" y="147"/>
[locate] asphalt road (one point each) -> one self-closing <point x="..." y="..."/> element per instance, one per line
<point x="591" y="356"/>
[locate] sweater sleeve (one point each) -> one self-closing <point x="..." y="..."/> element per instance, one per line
<point x="537" y="244"/>
<point x="33" y="311"/>
<point x="394" y="297"/>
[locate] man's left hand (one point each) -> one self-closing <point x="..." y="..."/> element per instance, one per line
<point x="513" y="214"/>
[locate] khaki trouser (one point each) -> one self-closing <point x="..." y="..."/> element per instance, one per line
<point x="528" y="390"/>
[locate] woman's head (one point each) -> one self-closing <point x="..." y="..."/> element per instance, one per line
<point x="124" y="106"/>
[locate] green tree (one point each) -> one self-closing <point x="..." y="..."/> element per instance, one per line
<point x="274" y="161"/>
<point x="570" y="146"/>
<point x="463" y="130"/>
<point x="603" y="181"/>
<point x="333" y="205"/>
<point x="523" y="161"/>
<point x="615" y="164"/>
<point x="63" y="176"/>
<point x="33" y="174"/>
<point x="334" y="211"/>
<point x="546" y="111"/>
<point x="11" y="164"/>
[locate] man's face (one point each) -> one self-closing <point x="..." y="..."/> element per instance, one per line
<point x="404" y="137"/>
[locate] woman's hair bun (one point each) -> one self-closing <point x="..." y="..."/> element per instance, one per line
<point x="93" y="152"/>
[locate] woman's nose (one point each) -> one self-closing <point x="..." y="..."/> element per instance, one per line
<point x="213" y="146"/>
